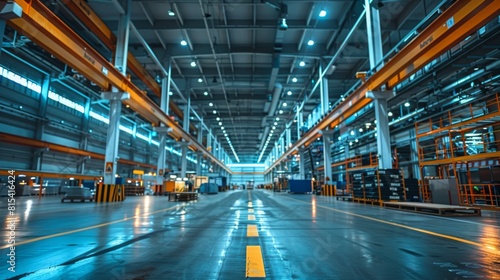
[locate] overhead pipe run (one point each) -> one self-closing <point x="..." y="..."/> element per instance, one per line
<point x="276" y="96"/>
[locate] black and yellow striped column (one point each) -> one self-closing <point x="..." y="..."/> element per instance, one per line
<point x="328" y="190"/>
<point x="109" y="193"/>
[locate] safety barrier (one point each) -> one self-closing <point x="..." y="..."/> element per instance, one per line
<point x="110" y="193"/>
<point x="328" y="190"/>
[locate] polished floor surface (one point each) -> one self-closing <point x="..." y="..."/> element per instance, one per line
<point x="244" y="234"/>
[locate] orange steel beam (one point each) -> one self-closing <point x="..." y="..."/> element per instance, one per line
<point x="459" y="124"/>
<point x="23" y="141"/>
<point x="41" y="26"/>
<point x="462" y="159"/>
<point x="50" y="174"/>
<point x="467" y="16"/>
<point x="85" y="13"/>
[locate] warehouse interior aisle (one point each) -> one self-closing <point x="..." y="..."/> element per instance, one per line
<point x="297" y="237"/>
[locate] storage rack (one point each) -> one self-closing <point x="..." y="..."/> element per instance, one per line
<point x="457" y="145"/>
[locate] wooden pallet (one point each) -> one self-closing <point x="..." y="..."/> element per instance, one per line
<point x="434" y="209"/>
<point x="367" y="201"/>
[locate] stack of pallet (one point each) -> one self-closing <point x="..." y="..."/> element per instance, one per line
<point x="412" y="190"/>
<point x="383" y="184"/>
<point x="357" y="185"/>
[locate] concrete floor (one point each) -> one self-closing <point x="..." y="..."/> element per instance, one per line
<point x="300" y="237"/>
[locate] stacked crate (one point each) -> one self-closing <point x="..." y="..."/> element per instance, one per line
<point x="412" y="190"/>
<point x="389" y="181"/>
<point x="357" y="185"/>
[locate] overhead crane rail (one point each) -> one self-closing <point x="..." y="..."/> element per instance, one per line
<point x="450" y="28"/>
<point x="44" y="28"/>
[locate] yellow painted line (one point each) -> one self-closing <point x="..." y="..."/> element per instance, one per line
<point x="458" y="239"/>
<point x="18" y="243"/>
<point x="251" y="217"/>
<point x="250" y="204"/>
<point x="252" y="231"/>
<point x="250" y="211"/>
<point x="255" y="263"/>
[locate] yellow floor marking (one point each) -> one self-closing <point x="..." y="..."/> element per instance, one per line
<point x="250" y="211"/>
<point x="87" y="228"/>
<point x="250" y="204"/>
<point x="251" y="217"/>
<point x="255" y="263"/>
<point x="409" y="228"/>
<point x="252" y="231"/>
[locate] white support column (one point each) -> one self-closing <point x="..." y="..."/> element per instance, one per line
<point x="165" y="97"/>
<point x="184" y="145"/>
<point x="288" y="136"/>
<point x="302" y="168"/>
<point x="115" y="99"/>
<point x="300" y="120"/>
<point x="327" y="163"/>
<point x="380" y="97"/>
<point x="374" y="36"/>
<point x="160" y="166"/>
<point x="324" y="90"/>
<point x="184" y="148"/>
<point x="383" y="135"/>
<point x="414" y="154"/>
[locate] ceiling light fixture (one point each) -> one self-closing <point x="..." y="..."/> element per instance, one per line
<point x="170" y="93"/>
<point x="294" y="79"/>
<point x="205" y="93"/>
<point x="407" y="104"/>
<point x="310" y="42"/>
<point x="210" y="104"/>
<point x="289" y="92"/>
<point x="322" y="13"/>
<point x="302" y="63"/>
<point x="193" y="63"/>
<point x="171" y="13"/>
<point x="283" y="26"/>
<point x="200" y="80"/>
<point x="184" y="43"/>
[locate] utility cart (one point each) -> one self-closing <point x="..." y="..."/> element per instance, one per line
<point x="78" y="193"/>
